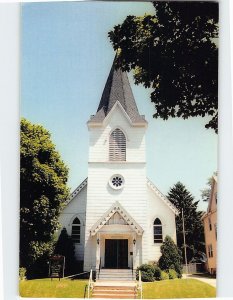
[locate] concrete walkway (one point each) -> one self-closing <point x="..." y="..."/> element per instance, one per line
<point x="210" y="281"/>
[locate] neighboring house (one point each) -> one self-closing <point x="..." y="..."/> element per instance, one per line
<point x="117" y="217"/>
<point x="210" y="228"/>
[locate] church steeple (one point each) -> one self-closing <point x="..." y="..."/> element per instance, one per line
<point x="117" y="88"/>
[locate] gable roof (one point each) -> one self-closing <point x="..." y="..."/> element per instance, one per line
<point x="116" y="207"/>
<point x="76" y="191"/>
<point x="117" y="88"/>
<point x="162" y="197"/>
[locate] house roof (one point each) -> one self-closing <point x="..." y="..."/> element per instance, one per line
<point x="162" y="197"/>
<point x="116" y="208"/>
<point x="117" y="89"/>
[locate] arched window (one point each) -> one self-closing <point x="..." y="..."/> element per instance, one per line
<point x="158" y="231"/>
<point x="117" y="146"/>
<point x="75" y="234"/>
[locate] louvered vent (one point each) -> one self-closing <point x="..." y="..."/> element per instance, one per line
<point x="117" y="146"/>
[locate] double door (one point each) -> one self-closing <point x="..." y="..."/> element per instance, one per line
<point x="116" y="253"/>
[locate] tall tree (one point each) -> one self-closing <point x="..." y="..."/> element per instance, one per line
<point x="175" y="53"/>
<point x="43" y="190"/>
<point x="194" y="231"/>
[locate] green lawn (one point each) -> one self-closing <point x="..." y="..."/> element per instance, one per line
<point x="46" y="288"/>
<point x="177" y="288"/>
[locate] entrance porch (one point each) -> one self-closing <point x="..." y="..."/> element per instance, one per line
<point x="118" y="239"/>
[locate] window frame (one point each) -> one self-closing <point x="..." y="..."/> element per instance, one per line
<point x="117" y="145"/>
<point x="76" y="237"/>
<point x="210" y="251"/>
<point x="155" y="235"/>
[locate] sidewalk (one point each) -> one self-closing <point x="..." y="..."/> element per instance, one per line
<point x="210" y="281"/>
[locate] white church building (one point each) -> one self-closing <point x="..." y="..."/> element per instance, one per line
<point x="117" y="217"/>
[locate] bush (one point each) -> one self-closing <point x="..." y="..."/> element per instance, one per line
<point x="170" y="258"/>
<point x="172" y="274"/>
<point x="164" y="275"/>
<point x="22" y="273"/>
<point x="157" y="273"/>
<point x="147" y="272"/>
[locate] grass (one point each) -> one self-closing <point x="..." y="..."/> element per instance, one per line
<point x="66" y="288"/>
<point x="178" y="288"/>
<point x="45" y="288"/>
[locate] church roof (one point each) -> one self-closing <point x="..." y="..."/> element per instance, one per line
<point x="162" y="197"/>
<point x="117" y="88"/>
<point x="76" y="191"/>
<point x="116" y="208"/>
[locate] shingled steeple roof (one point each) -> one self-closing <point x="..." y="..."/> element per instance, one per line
<point x="117" y="88"/>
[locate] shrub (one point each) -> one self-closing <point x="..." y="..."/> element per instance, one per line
<point x="170" y="258"/>
<point x="65" y="246"/>
<point x="22" y="273"/>
<point x="164" y="275"/>
<point x="157" y="273"/>
<point x="172" y="274"/>
<point x="147" y="272"/>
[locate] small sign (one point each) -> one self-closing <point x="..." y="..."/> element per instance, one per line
<point x="56" y="266"/>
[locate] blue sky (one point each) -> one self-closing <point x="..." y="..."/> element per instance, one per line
<point x="66" y="58"/>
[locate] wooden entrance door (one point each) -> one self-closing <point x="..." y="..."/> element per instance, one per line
<point x="116" y="254"/>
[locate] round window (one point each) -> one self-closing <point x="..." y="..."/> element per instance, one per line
<point x="117" y="181"/>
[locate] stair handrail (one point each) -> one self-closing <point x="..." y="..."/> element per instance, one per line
<point x="99" y="268"/>
<point x="132" y="265"/>
<point x="90" y="285"/>
<point x="140" y="283"/>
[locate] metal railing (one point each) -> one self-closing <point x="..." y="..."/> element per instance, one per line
<point x="99" y="269"/>
<point x="140" y="283"/>
<point x="132" y="265"/>
<point x="90" y="285"/>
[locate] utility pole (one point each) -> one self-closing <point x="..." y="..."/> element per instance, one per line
<point x="185" y="253"/>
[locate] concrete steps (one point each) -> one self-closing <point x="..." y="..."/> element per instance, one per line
<point x="115" y="290"/>
<point x="116" y="274"/>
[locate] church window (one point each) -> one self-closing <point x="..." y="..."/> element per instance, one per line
<point x="116" y="181"/>
<point x="158" y="231"/>
<point x="117" y="146"/>
<point x="76" y="230"/>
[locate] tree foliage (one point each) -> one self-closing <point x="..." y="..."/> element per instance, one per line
<point x="65" y="246"/>
<point x="43" y="190"/>
<point x="205" y="193"/>
<point x="175" y="53"/>
<point x="194" y="231"/>
<point x="170" y="256"/>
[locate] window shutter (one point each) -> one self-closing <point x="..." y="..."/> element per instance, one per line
<point x="117" y="146"/>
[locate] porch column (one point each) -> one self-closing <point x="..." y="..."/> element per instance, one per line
<point x="134" y="249"/>
<point x="97" y="251"/>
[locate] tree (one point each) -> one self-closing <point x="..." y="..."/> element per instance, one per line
<point x="194" y="231"/>
<point x="170" y="256"/>
<point x="205" y="193"/>
<point x="43" y="190"/>
<point x="175" y="53"/>
<point x="65" y="246"/>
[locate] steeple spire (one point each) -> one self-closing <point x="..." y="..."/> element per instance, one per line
<point x="117" y="88"/>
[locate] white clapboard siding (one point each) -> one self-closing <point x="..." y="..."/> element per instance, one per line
<point x="159" y="209"/>
<point x="76" y="208"/>
<point x="99" y="139"/>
